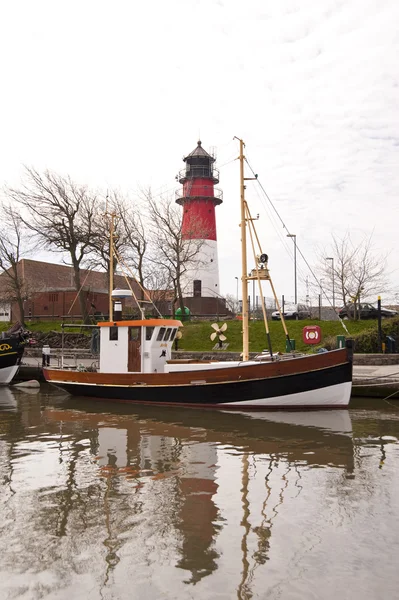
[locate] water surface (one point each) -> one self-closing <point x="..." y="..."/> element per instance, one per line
<point x="102" y="501"/>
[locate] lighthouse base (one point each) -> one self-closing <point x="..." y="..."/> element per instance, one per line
<point x="203" y="280"/>
<point x="203" y="306"/>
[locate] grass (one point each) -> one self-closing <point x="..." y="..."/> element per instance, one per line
<point x="196" y="334"/>
<point x="44" y="327"/>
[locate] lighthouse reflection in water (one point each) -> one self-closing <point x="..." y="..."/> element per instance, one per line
<point x="137" y="502"/>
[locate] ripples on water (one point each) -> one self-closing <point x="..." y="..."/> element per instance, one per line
<point x="114" y="501"/>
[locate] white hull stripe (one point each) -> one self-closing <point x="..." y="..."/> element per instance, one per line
<point x="334" y="395"/>
<point x="7" y="374"/>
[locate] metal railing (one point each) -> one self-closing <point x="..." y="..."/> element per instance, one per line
<point x="217" y="196"/>
<point x="199" y="171"/>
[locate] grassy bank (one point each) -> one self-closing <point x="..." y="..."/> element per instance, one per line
<point x="196" y="334"/>
<point x="38" y="326"/>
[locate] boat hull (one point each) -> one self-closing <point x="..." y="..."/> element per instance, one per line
<point x="318" y="381"/>
<point x="11" y="352"/>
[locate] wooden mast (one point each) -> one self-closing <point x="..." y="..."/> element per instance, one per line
<point x="244" y="281"/>
<point x="111" y="267"/>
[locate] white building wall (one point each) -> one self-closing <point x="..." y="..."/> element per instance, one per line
<point x="207" y="272"/>
<point x="5" y="312"/>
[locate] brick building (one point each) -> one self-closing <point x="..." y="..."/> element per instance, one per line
<point x="50" y="291"/>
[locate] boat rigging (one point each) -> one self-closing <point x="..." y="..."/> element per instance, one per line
<point x="136" y="363"/>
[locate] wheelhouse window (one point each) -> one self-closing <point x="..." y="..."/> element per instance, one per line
<point x="167" y="334"/>
<point x="173" y="334"/>
<point x="134" y="333"/>
<point x="113" y="334"/>
<point x="148" y="333"/>
<point x="161" y="334"/>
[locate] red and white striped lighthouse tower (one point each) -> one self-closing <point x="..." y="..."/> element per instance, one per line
<point x="198" y="199"/>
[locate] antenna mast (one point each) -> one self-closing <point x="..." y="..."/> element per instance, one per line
<point x="111" y="266"/>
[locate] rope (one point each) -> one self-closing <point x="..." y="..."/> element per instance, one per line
<point x="381" y="376"/>
<point x="360" y="385"/>
<point x="390" y="403"/>
<point x="77" y="295"/>
<point x="298" y="249"/>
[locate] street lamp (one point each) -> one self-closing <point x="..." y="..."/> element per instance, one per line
<point x="320" y="298"/>
<point x="237" y="289"/>
<point x="333" y="279"/>
<point x="293" y="236"/>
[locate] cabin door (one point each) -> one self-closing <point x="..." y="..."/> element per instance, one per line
<point x="134" y="352"/>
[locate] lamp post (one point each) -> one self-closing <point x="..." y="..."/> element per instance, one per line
<point x="293" y="236"/>
<point x="333" y="279"/>
<point x="320" y="298"/>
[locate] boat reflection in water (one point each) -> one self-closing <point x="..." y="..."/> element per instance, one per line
<point x="186" y="466"/>
<point x="145" y="490"/>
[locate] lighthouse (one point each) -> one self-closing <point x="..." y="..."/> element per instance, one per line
<point x="198" y="197"/>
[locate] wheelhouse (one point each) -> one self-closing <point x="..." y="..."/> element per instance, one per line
<point x="140" y="346"/>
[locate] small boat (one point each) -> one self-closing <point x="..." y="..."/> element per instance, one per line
<point x="136" y="362"/>
<point x="12" y="346"/>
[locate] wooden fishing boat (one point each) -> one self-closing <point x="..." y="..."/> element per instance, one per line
<point x="136" y="362"/>
<point x="12" y="346"/>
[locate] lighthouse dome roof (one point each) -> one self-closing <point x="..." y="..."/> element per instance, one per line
<point x="199" y="152"/>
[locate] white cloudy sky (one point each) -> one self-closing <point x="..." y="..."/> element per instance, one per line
<point x="115" y="93"/>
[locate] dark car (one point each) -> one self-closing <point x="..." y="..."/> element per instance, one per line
<point x="293" y="311"/>
<point x="367" y="311"/>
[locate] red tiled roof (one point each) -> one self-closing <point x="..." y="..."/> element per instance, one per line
<point x="50" y="277"/>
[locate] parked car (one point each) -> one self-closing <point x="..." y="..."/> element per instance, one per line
<point x="293" y="311"/>
<point x="367" y="311"/>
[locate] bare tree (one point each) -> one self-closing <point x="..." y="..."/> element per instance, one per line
<point x="13" y="246"/>
<point x="359" y="271"/>
<point x="60" y="216"/>
<point x="172" y="251"/>
<point x="232" y="303"/>
<point x="98" y="247"/>
<point x="134" y="230"/>
<point x="130" y="237"/>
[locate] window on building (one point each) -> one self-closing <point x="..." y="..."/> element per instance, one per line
<point x="113" y="334"/>
<point x="197" y="286"/>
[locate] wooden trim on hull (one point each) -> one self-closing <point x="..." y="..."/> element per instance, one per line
<point x="211" y="394"/>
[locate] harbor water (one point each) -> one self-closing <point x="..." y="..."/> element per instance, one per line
<point x="115" y="501"/>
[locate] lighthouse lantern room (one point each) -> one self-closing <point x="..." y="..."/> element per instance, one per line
<point x="198" y="197"/>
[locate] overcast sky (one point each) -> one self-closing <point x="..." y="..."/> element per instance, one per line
<point x="116" y="93"/>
